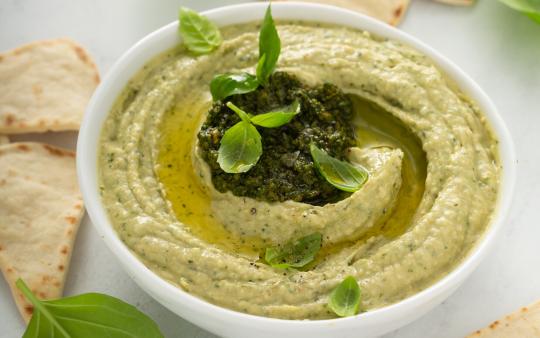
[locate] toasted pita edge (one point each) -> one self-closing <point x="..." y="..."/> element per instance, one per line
<point x="394" y="10"/>
<point x="81" y="52"/>
<point x="399" y="12"/>
<point x="512" y="322"/>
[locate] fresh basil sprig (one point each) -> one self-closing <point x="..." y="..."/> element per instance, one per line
<point x="200" y="35"/>
<point x="86" y="316"/>
<point x="269" y="48"/>
<point x="296" y="254"/>
<point x="241" y="147"/>
<point x="277" y="117"/>
<point x="225" y="85"/>
<point x="345" y="298"/>
<point x="340" y="174"/>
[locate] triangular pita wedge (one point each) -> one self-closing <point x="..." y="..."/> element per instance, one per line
<point x="40" y="212"/>
<point x="389" y="11"/>
<point x="45" y="85"/>
<point x="524" y="323"/>
<point x="3" y="139"/>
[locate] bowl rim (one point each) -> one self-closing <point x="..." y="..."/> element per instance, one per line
<point x="87" y="151"/>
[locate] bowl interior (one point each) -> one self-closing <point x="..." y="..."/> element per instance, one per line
<point x="215" y="318"/>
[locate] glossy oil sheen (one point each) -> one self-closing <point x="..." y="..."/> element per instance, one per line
<point x="191" y="203"/>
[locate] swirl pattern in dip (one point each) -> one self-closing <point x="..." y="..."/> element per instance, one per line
<point x="189" y="234"/>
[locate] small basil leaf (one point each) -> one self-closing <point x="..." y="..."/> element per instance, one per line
<point x="242" y="114"/>
<point x="269" y="47"/>
<point x="225" y="85"/>
<point x="86" y="316"/>
<point x="278" y="117"/>
<point x="295" y="254"/>
<point x="200" y="35"/>
<point x="340" y="174"/>
<point x="345" y="298"/>
<point x="240" y="148"/>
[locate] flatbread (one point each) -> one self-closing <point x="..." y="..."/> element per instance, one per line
<point x="3" y="139"/>
<point x="40" y="211"/>
<point x="389" y="11"/>
<point x="45" y="85"/>
<point x="524" y="323"/>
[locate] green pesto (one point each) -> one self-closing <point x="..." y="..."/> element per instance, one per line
<point x="285" y="171"/>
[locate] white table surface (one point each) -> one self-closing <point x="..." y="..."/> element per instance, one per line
<point x="498" y="47"/>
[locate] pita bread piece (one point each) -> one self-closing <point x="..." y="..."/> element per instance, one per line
<point x="45" y="85"/>
<point x="389" y="11"/>
<point x="40" y="212"/>
<point x="3" y="139"/>
<point x="525" y="323"/>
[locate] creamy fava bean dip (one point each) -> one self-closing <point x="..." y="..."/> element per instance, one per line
<point x="433" y="185"/>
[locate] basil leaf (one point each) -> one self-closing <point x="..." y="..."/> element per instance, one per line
<point x="340" y="174"/>
<point x="529" y="7"/>
<point x="295" y="254"/>
<point x="200" y="35"/>
<point x="345" y="298"/>
<point x="240" y="148"/>
<point x="277" y="118"/>
<point x="225" y="85"/>
<point x="269" y="48"/>
<point x="242" y="114"/>
<point x="86" y="316"/>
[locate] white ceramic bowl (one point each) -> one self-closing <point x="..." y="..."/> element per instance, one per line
<point x="230" y="323"/>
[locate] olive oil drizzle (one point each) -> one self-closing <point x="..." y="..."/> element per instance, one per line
<point x="189" y="200"/>
<point x="376" y="127"/>
<point x="192" y="205"/>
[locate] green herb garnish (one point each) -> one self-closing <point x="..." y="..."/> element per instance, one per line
<point x="340" y="174"/>
<point x="242" y="114"/>
<point x="277" y="117"/>
<point x="531" y="8"/>
<point x="200" y="35"/>
<point x="269" y="48"/>
<point x="241" y="146"/>
<point x="86" y="316"/>
<point x="295" y="254"/>
<point x="225" y="85"/>
<point x="345" y="298"/>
